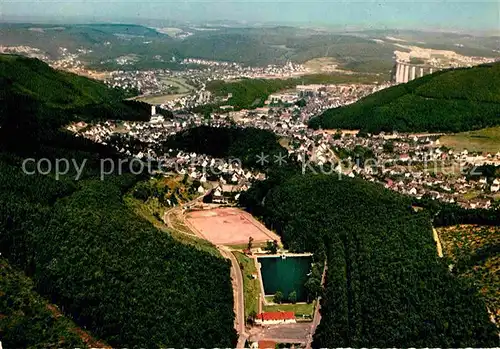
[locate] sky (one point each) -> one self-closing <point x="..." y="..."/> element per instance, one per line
<point x="430" y="14"/>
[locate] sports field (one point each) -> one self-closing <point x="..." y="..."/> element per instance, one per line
<point x="227" y="226"/>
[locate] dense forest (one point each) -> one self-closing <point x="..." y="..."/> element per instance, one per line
<point x="447" y="214"/>
<point x="385" y="285"/>
<point x="26" y="319"/>
<point x="107" y="269"/>
<point x="447" y="101"/>
<point x="132" y="285"/>
<point x="128" y="282"/>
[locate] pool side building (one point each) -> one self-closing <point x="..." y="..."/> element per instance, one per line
<point x="275" y="318"/>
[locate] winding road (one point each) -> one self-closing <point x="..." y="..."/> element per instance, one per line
<point x="236" y="276"/>
<point x="239" y="302"/>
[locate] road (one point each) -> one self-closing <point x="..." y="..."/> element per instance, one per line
<point x="173" y="210"/>
<point x="317" y="313"/>
<point x="236" y="276"/>
<point x="438" y="242"/>
<point x="239" y="300"/>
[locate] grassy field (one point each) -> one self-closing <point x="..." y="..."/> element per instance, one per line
<point x="251" y="286"/>
<point x="152" y="210"/>
<point x="160" y="99"/>
<point x="145" y="212"/>
<point x="471" y="195"/>
<point x="474" y="252"/>
<point x="322" y="65"/>
<point x="244" y="246"/>
<point x="485" y="140"/>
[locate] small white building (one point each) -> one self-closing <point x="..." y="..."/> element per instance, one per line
<point x="156" y="119"/>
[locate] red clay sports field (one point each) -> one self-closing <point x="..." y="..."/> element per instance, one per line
<point x="227" y="226"/>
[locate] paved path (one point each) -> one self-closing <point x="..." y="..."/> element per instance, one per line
<point x="236" y="276"/>
<point x="438" y="242"/>
<point x="317" y="313"/>
<point x="238" y="293"/>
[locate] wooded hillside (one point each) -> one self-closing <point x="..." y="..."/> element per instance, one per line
<point x="385" y="285"/>
<point x="106" y="268"/>
<point x="447" y="101"/>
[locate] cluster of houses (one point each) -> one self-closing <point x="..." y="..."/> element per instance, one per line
<point x="415" y="165"/>
<point x="152" y="82"/>
<point x="412" y="165"/>
<point x="144" y="81"/>
<point x="232" y="70"/>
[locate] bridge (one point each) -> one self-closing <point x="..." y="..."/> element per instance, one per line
<point x="404" y="72"/>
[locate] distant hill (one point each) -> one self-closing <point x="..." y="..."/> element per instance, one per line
<point x="361" y="51"/>
<point x="55" y="88"/>
<point x="252" y="46"/>
<point x="447" y="101"/>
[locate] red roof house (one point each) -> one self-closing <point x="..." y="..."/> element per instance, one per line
<point x="266" y="345"/>
<point x="275" y="317"/>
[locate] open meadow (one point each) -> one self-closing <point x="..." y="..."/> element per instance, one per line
<point x="485" y="140"/>
<point x="160" y="99"/>
<point x="474" y="250"/>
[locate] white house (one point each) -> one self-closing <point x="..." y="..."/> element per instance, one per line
<point x="156" y="119"/>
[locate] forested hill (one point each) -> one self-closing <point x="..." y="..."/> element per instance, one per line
<point x="56" y="88"/>
<point x="108" y="270"/>
<point x="385" y="285"/>
<point x="33" y="92"/>
<point x="447" y="101"/>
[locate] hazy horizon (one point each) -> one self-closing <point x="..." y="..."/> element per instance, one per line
<point x="428" y="15"/>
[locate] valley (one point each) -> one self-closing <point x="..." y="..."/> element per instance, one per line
<point x="214" y="171"/>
